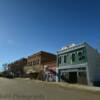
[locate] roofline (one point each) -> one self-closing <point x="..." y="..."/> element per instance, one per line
<point x="40" y="52"/>
<point x="77" y="45"/>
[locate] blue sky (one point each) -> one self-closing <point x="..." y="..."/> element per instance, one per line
<point x="27" y="26"/>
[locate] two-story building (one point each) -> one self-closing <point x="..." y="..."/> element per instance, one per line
<point x="78" y="64"/>
<point x="17" y="67"/>
<point x="36" y="63"/>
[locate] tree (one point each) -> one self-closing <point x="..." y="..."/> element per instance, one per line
<point x="5" y="67"/>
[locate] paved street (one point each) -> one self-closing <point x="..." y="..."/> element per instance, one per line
<point x="21" y="89"/>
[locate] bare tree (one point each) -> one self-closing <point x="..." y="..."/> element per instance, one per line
<point x="5" y="67"/>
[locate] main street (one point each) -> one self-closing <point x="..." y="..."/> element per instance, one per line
<point x="25" y="89"/>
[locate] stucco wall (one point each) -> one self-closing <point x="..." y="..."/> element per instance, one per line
<point x="93" y="64"/>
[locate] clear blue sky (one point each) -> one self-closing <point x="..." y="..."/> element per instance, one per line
<point x="27" y="26"/>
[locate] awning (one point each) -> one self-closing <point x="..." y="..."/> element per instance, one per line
<point x="30" y="71"/>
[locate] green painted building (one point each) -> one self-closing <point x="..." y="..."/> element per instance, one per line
<point x="78" y="64"/>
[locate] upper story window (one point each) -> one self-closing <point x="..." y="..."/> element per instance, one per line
<point x="65" y="58"/>
<point x="44" y="59"/>
<point x="30" y="63"/>
<point x="59" y="60"/>
<point x="81" y="55"/>
<point x="73" y="57"/>
<point x="36" y="62"/>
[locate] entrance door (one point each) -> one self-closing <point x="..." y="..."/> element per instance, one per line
<point x="82" y="78"/>
<point x="73" y="77"/>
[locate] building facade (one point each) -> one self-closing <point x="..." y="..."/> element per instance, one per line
<point x="78" y="64"/>
<point x="36" y="63"/>
<point x="50" y="71"/>
<point x="16" y="68"/>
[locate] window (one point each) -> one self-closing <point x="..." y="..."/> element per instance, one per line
<point x="44" y="59"/>
<point x="65" y="58"/>
<point x="59" y="60"/>
<point x="81" y="56"/>
<point x="36" y="62"/>
<point x="30" y="63"/>
<point x="73" y="57"/>
<point x="33" y="62"/>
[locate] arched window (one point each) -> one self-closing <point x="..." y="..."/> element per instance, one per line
<point x="59" y="60"/>
<point x="73" y="57"/>
<point x="65" y="58"/>
<point x="80" y="56"/>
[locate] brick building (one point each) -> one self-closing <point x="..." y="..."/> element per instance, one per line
<point x="36" y="62"/>
<point x="17" y="67"/>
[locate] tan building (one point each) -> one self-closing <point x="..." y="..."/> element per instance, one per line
<point x="37" y="61"/>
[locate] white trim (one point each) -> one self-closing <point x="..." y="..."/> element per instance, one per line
<point x="73" y="66"/>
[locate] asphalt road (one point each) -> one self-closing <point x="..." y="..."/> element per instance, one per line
<point x="21" y="89"/>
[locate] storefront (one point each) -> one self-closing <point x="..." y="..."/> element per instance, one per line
<point x="50" y="72"/>
<point x="73" y="75"/>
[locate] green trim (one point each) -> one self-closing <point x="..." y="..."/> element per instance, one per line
<point x="80" y="57"/>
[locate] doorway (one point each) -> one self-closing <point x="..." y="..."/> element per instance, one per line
<point x="72" y="77"/>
